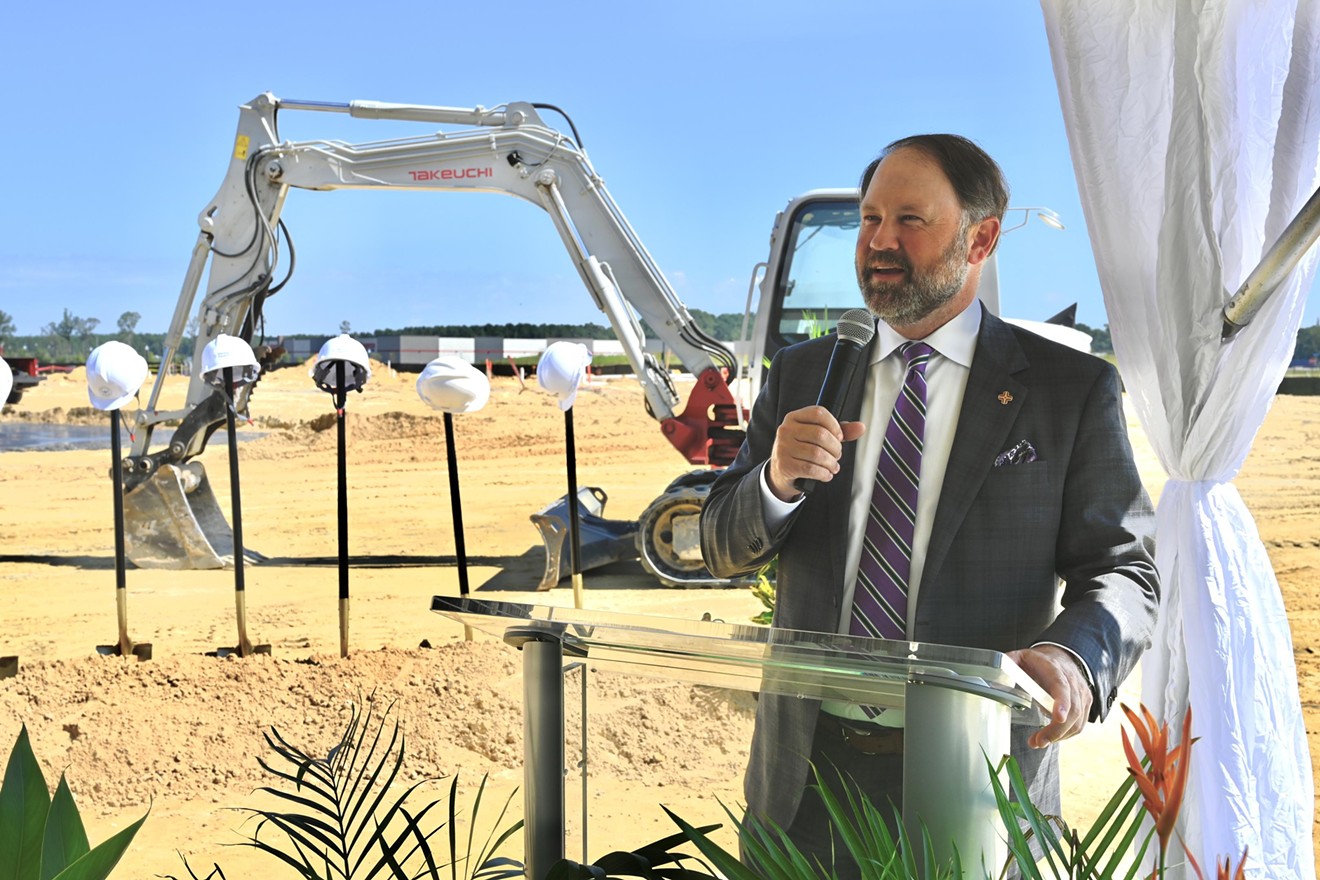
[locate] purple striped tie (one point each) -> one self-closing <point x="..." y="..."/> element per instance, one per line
<point x="880" y="596"/>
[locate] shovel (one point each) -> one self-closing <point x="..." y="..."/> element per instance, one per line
<point x="341" y="398"/>
<point x="244" y="647"/>
<point x="574" y="526"/>
<point x="457" y="506"/>
<point x="124" y="647"/>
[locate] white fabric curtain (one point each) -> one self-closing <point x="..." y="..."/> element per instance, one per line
<point x="1195" y="136"/>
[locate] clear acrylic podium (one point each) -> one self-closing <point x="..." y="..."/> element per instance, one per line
<point x="959" y="703"/>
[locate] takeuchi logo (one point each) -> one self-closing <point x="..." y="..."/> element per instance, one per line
<point x="451" y="174"/>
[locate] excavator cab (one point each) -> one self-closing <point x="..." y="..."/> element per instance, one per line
<point x="809" y="279"/>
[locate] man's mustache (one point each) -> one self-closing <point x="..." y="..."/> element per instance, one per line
<point x="891" y="262"/>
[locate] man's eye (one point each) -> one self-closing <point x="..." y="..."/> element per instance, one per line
<point x="910" y="218"/>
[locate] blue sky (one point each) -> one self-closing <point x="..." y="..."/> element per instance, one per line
<point x="703" y="119"/>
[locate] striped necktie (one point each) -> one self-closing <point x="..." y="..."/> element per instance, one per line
<point x="880" y="596"/>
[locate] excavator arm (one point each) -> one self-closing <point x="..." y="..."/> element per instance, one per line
<point x="507" y="150"/>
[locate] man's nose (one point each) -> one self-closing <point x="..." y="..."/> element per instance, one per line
<point x="882" y="238"/>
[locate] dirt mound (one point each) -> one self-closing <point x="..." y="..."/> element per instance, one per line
<point x="184" y="726"/>
<point x="76" y="415"/>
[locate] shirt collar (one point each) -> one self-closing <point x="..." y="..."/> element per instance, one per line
<point x="955" y="340"/>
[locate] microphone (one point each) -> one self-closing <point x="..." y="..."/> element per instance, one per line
<point x="855" y="330"/>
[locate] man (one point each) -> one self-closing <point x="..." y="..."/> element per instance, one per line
<point x="1019" y="471"/>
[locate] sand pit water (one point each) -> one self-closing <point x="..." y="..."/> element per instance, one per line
<point x="181" y="733"/>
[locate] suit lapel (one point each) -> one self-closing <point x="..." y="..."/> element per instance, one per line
<point x="984" y="422"/>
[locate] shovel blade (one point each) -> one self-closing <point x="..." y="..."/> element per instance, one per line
<point x="140" y="650"/>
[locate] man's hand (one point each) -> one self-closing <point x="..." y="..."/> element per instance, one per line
<point x="1055" y="670"/>
<point x="808" y="445"/>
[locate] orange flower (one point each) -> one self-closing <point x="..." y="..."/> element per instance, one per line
<point x="1222" y="872"/>
<point x="1239" y="874"/>
<point x="1163" y="785"/>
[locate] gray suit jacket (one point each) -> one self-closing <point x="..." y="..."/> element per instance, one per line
<point x="1001" y="540"/>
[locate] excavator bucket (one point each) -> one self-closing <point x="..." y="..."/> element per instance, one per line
<point x="172" y="521"/>
<point x="603" y="540"/>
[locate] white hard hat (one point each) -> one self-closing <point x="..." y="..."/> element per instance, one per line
<point x="451" y="384"/>
<point x="561" y="369"/>
<point x="357" y="369"/>
<point x="115" y="372"/>
<point x="6" y="382"/>
<point x="233" y="352"/>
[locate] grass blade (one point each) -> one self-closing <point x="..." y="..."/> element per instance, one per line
<point x="723" y="860"/>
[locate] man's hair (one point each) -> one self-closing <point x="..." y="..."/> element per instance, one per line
<point x="977" y="179"/>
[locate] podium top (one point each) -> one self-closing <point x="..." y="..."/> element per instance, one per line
<point x="748" y="657"/>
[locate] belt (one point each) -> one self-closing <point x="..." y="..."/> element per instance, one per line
<point x="868" y="739"/>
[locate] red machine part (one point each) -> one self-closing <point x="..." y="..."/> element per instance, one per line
<point x="707" y="431"/>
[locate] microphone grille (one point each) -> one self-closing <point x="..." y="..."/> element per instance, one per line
<point x="857" y="325"/>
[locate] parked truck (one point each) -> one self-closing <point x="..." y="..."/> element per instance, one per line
<point x="27" y="374"/>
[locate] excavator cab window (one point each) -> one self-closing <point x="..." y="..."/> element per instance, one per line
<point x="817" y="282"/>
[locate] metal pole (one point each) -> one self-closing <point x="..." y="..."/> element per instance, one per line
<point x="1278" y="262"/>
<point x="457" y="507"/>
<point x="121" y="586"/>
<point x="543" y="748"/>
<point x="240" y="592"/>
<point x="574" y="529"/>
<point x="341" y="396"/>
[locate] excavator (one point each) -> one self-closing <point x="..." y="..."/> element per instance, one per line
<point x="171" y="515"/>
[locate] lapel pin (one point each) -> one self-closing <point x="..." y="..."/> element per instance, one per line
<point x="1005" y="398"/>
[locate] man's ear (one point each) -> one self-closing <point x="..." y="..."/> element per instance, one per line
<point x="984" y="237"/>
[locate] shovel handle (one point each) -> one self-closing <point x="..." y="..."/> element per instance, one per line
<point x="121" y="609"/>
<point x="343" y="627"/>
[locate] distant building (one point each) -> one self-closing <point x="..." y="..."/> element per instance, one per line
<point x="413" y="352"/>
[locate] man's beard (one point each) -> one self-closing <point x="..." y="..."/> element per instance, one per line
<point x="919" y="294"/>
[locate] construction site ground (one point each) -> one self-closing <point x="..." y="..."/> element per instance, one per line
<point x="180" y="734"/>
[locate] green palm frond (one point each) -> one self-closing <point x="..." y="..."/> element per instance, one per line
<point x="343" y="817"/>
<point x="654" y="861"/>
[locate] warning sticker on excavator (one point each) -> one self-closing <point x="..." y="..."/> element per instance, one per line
<point x="241" y="147"/>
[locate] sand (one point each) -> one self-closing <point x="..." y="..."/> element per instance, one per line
<point x="181" y="733"/>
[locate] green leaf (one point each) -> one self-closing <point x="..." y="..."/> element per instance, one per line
<point x="24" y="803"/>
<point x="1018" y="847"/>
<point x="101" y="860"/>
<point x="722" y="859"/>
<point x="65" y="839"/>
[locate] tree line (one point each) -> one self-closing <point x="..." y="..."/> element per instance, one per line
<point x="724" y="327"/>
<point x="71" y="338"/>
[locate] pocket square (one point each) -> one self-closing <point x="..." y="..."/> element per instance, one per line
<point x="1022" y="453"/>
